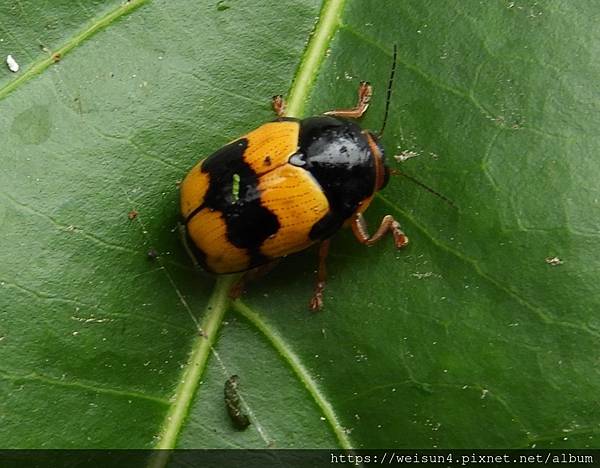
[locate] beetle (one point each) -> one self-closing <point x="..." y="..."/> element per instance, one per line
<point x="285" y="186"/>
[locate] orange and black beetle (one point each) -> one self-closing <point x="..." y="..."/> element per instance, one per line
<point x="283" y="187"/>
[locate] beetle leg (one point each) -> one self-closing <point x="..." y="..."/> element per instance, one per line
<point x="279" y="105"/>
<point x="365" y="90"/>
<point x="238" y="288"/>
<point x="316" y="301"/>
<point x="388" y="223"/>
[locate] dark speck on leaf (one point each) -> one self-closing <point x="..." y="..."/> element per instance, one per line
<point x="267" y="160"/>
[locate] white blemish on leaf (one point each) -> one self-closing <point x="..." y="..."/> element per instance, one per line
<point x="405" y="155"/>
<point x="422" y="275"/>
<point x="12" y="64"/>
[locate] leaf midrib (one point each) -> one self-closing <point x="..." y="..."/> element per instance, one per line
<point x="219" y="302"/>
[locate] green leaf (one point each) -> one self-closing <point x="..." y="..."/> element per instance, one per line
<point x="470" y="337"/>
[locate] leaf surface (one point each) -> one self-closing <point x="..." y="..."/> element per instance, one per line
<point x="470" y="327"/>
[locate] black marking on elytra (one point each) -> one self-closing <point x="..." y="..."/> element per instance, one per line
<point x="257" y="257"/>
<point x="336" y="152"/>
<point x="248" y="222"/>
<point x="194" y="213"/>
<point x="326" y="227"/>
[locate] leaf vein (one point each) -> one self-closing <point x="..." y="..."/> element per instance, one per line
<point x="84" y="305"/>
<point x="70" y="228"/>
<point x="540" y="312"/>
<point x="296" y="365"/>
<point x="326" y="27"/>
<point x="41" y="65"/>
<point x="81" y="385"/>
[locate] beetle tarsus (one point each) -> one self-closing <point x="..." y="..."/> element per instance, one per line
<point x="316" y="302"/>
<point x="279" y="105"/>
<point x="365" y="91"/>
<point x="388" y="223"/>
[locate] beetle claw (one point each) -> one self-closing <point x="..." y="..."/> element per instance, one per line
<point x="316" y="303"/>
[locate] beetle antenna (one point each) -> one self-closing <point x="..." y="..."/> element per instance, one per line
<point x="422" y="185"/>
<point x="389" y="91"/>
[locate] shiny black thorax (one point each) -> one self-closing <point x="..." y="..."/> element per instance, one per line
<point x="336" y="152"/>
